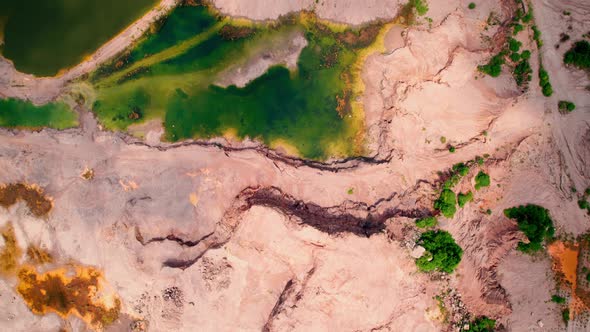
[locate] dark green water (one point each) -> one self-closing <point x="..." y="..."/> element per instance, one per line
<point x="43" y="36"/>
<point x="15" y="113"/>
<point x="298" y="107"/>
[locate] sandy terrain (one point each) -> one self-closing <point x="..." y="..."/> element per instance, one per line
<point x="256" y="240"/>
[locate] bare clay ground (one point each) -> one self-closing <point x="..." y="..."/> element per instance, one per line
<point x="257" y="242"/>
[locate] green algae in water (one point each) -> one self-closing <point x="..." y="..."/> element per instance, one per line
<point x="170" y="75"/>
<point x="16" y="113"/>
<point x="43" y="36"/>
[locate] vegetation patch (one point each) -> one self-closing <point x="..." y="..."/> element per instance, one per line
<point x="544" y="82"/>
<point x="578" y="55"/>
<point x="471" y="5"/>
<point x="558" y="299"/>
<point x="482" y="180"/>
<point x="311" y="108"/>
<point x="442" y="252"/>
<point x="463" y="199"/>
<point x="16" y="113"/>
<point x="565" y="106"/>
<point x="494" y="66"/>
<point x="483" y="324"/>
<point x="534" y="221"/>
<point x="426" y="222"/>
<point x="446" y="203"/>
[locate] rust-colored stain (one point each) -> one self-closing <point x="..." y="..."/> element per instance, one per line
<point x="38" y="256"/>
<point x="11" y="252"/>
<point x="33" y="196"/>
<point x="55" y="291"/>
<point x="565" y="264"/>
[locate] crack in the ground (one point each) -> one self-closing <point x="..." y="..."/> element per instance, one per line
<point x="358" y="218"/>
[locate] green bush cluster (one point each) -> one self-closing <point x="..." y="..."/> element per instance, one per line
<point x="517" y="28"/>
<point x="583" y="201"/>
<point x="565" y="106"/>
<point x="534" y="221"/>
<point x="471" y="5"/>
<point x="461" y="169"/>
<point x="482" y="324"/>
<point x="463" y="199"/>
<point x="522" y="72"/>
<point x="557" y="299"/>
<point x="426" y="222"/>
<point x="494" y="66"/>
<point x="565" y="314"/>
<point x="546" y="87"/>
<point x="514" y="45"/>
<point x="442" y="252"/>
<point x="578" y="55"/>
<point x="525" y="55"/>
<point x="482" y="180"/>
<point x="537" y="36"/>
<point x="446" y="203"/>
<point x="421" y="6"/>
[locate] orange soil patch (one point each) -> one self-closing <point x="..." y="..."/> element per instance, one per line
<point x="11" y="253"/>
<point x="54" y="291"/>
<point x="38" y="203"/>
<point x="38" y="256"/>
<point x="565" y="264"/>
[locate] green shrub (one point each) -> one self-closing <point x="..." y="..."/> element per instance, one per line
<point x="588" y="277"/>
<point x="587" y="191"/>
<point x="452" y="181"/>
<point x="514" y="57"/>
<point x="482" y="180"/>
<point x="528" y="16"/>
<point x="443" y="139"/>
<point x="426" y="222"/>
<point x="514" y="45"/>
<point x="461" y="169"/>
<point x="517" y="28"/>
<point x="463" y="199"/>
<point x="446" y="203"/>
<point x="482" y="324"/>
<point x="534" y="221"/>
<point x="471" y="5"/>
<point x="546" y="87"/>
<point x="479" y="160"/>
<point x="421" y="6"/>
<point x="583" y="204"/>
<point x="566" y="106"/>
<point x="547" y="90"/>
<point x="578" y="55"/>
<point x="557" y="299"/>
<point x="494" y="66"/>
<point x="522" y="72"/>
<point x="452" y="149"/>
<point x="442" y="252"/>
<point x="488" y="212"/>
<point x="525" y="55"/>
<point x="565" y="314"/>
<point x="537" y="36"/>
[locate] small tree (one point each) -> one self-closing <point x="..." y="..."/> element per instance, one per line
<point x="442" y="252"/>
<point x="446" y="203"/>
<point x="482" y="180"/>
<point x="463" y="199"/>
<point x="426" y="222"/>
<point x="534" y="221"/>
